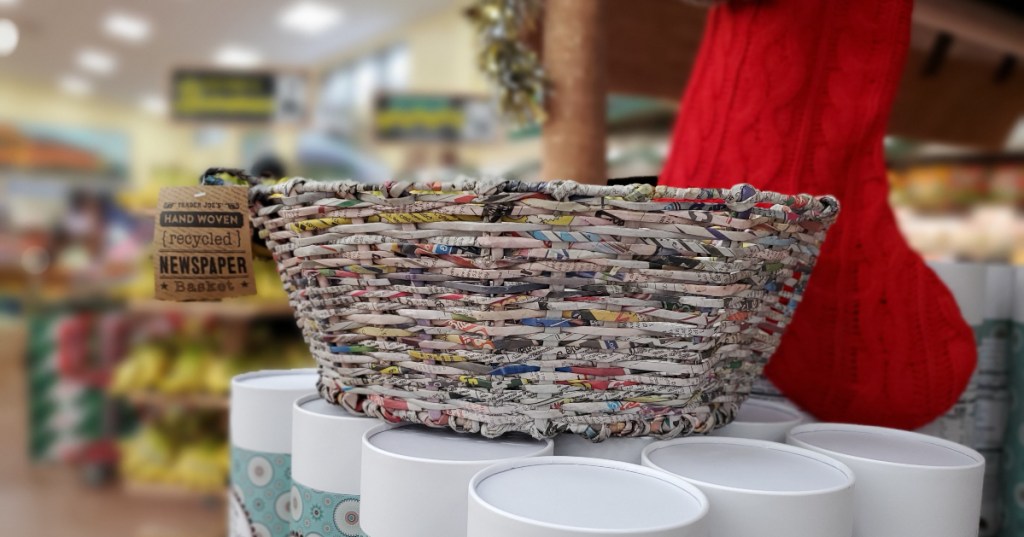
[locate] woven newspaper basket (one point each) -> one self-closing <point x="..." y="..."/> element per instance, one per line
<point x="498" y="306"/>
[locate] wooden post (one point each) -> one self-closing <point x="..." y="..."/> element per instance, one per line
<point x="574" y="136"/>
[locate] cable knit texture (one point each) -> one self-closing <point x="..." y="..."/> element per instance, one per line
<point x="794" y="96"/>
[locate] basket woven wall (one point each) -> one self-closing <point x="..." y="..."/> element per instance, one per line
<point x="498" y="306"/>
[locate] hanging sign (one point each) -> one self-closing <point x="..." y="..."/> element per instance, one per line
<point x="203" y="243"/>
<point x="249" y="96"/>
<point x="435" y="118"/>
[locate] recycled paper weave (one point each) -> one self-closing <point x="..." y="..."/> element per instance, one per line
<point x="504" y="306"/>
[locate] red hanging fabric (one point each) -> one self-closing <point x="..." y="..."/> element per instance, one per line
<point x="794" y="96"/>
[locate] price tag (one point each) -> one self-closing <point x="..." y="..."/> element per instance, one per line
<point x="202" y="240"/>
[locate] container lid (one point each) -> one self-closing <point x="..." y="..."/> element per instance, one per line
<point x="327" y="445"/>
<point x="280" y="381"/>
<point x="316" y="405"/>
<point x="444" y="445"/>
<point x="624" y="449"/>
<point x="749" y="465"/>
<point x="277" y="380"/>
<point x="582" y="494"/>
<point x="261" y="407"/>
<point x="886" y="445"/>
<point x="757" y="411"/>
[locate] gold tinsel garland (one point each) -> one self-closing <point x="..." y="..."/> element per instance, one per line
<point x="506" y="60"/>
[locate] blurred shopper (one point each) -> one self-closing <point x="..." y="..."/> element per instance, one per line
<point x="269" y="167"/>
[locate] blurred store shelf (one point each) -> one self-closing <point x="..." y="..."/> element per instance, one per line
<point x="163" y="401"/>
<point x="144" y="213"/>
<point x="31" y="491"/>
<point x="163" y="491"/>
<point x="233" y="309"/>
<point x="160" y="531"/>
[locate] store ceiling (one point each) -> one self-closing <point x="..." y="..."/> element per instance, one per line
<point x="973" y="99"/>
<point x="971" y="94"/>
<point x="184" y="33"/>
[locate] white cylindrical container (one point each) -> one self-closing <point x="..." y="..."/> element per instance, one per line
<point x="414" y="479"/>
<point x="762" y="488"/>
<point x="572" y="496"/>
<point x="907" y="483"/>
<point x="327" y="444"/>
<point x="966" y="281"/>
<point x="992" y="517"/>
<point x="764" y="390"/>
<point x="1012" y="473"/>
<point x="613" y="449"/>
<point x="993" y="349"/>
<point x="762" y="420"/>
<point x="261" y="437"/>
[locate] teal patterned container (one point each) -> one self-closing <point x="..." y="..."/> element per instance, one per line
<point x="324" y="514"/>
<point x="260" y="496"/>
<point x="259" y="502"/>
<point x="326" y="454"/>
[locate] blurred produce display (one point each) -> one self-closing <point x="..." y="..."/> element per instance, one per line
<point x="944" y="185"/>
<point x="71" y="349"/>
<point x="121" y="384"/>
<point x="142" y="198"/>
<point x="177" y="375"/>
<point x="179" y="449"/>
<point x="190" y="364"/>
<point x="962" y="207"/>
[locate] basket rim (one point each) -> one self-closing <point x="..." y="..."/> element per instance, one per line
<point x="738" y="198"/>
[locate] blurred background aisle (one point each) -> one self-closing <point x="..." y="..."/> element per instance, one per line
<point x="28" y="491"/>
<point x="113" y="405"/>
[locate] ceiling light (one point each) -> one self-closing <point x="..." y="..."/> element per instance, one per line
<point x="75" y="85"/>
<point x="9" y="3"/>
<point x="237" y="57"/>
<point x="309" y="17"/>
<point x="154" y="104"/>
<point x="8" y="37"/>
<point x="126" y="27"/>
<point x="97" y="61"/>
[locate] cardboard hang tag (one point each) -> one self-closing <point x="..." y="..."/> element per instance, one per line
<point x="203" y="243"/>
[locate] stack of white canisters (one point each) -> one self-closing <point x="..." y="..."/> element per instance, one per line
<point x="320" y="472"/>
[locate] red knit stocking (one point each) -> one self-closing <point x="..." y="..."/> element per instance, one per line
<point x="794" y="96"/>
